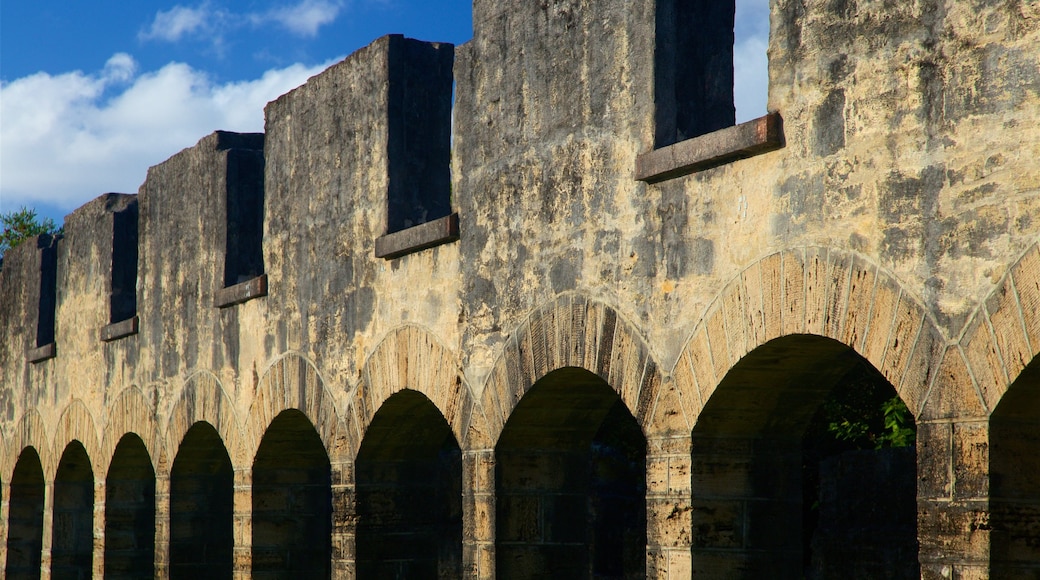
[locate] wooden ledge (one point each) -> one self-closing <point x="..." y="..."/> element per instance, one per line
<point x="42" y="353"/>
<point x="741" y="141"/>
<point x="427" y="235"/>
<point x="120" y="329"/>
<point x="241" y="292"/>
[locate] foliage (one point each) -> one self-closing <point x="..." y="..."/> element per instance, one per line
<point x="864" y="412"/>
<point x="22" y="224"/>
<point x="896" y="429"/>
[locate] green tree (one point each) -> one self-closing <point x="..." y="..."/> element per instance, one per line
<point x="22" y="224"/>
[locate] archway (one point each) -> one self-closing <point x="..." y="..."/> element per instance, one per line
<point x="1015" y="479"/>
<point x="72" y="539"/>
<point x="292" y="501"/>
<point x="201" y="507"/>
<point x="409" y="493"/>
<point x="25" y="518"/>
<point x="803" y="466"/>
<point x="130" y="511"/>
<point x="571" y="483"/>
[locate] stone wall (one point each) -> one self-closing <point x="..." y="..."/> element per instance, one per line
<point x="495" y="336"/>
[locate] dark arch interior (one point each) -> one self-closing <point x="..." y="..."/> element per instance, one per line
<point x="201" y="507"/>
<point x="571" y="483"/>
<point x="409" y="493"/>
<point x="292" y="501"/>
<point x="72" y="543"/>
<point x="25" y="518"/>
<point x="130" y="511"/>
<point x="794" y="474"/>
<point x="1015" y="479"/>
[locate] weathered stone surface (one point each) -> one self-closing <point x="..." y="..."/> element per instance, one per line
<point x="897" y="226"/>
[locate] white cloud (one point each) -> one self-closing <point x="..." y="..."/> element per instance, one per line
<point x="64" y="140"/>
<point x="304" y="18"/>
<point x="180" y="21"/>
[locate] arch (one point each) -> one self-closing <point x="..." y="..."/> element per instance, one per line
<point x="411" y="358"/>
<point x="130" y="413"/>
<point x="28" y="432"/>
<point x="25" y="516"/>
<point x="1003" y="335"/>
<point x="815" y="291"/>
<point x="779" y="491"/>
<point x="571" y="483"/>
<point x="130" y="511"/>
<point x="72" y="531"/>
<point x="293" y="382"/>
<point x="292" y="501"/>
<point x="201" y="506"/>
<point x="77" y="424"/>
<point x="203" y="399"/>
<point x="577" y="332"/>
<point x="409" y="492"/>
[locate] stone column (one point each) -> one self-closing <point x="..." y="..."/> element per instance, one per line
<point x="344" y="521"/>
<point x="243" y="526"/>
<point x="162" y="525"/>
<point x="478" y="513"/>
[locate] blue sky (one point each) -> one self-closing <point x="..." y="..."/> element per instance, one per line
<point x="93" y="93"/>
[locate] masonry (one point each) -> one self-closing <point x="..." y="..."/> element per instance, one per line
<point x="534" y="306"/>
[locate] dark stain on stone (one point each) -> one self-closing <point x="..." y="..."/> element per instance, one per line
<point x="829" y="124"/>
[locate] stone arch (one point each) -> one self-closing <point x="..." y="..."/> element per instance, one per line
<point x="1000" y="347"/>
<point x="411" y="374"/>
<point x="202" y="399"/>
<point x="130" y="412"/>
<point x="72" y="510"/>
<point x="814" y="291"/>
<point x="77" y="424"/>
<point x="409" y="492"/>
<point x="24" y="525"/>
<point x="29" y="432"/>
<point x="576" y="332"/>
<point x="770" y="351"/>
<point x="293" y="382"/>
<point x="574" y="391"/>
<point x="130" y="509"/>
<point x="291" y="491"/>
<point x="1003" y="335"/>
<point x="201" y="504"/>
<point x="412" y="358"/>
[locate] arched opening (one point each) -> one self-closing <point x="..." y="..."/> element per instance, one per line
<point x="409" y="493"/>
<point x="1015" y="479"/>
<point x="72" y="539"/>
<point x="201" y="507"/>
<point x="130" y="511"/>
<point x="25" y="518"/>
<point x="292" y="501"/>
<point x="571" y="483"/>
<point x="804" y="467"/>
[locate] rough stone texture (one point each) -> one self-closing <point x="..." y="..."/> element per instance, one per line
<point x="896" y="226"/>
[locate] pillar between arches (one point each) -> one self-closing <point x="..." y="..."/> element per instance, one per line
<point x="344" y="521"/>
<point x="162" y="525"/>
<point x="478" y="513"/>
<point x="48" y="528"/>
<point x="243" y="523"/>
<point x="668" y="507"/>
<point x="98" y="525"/>
<point x="952" y="498"/>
